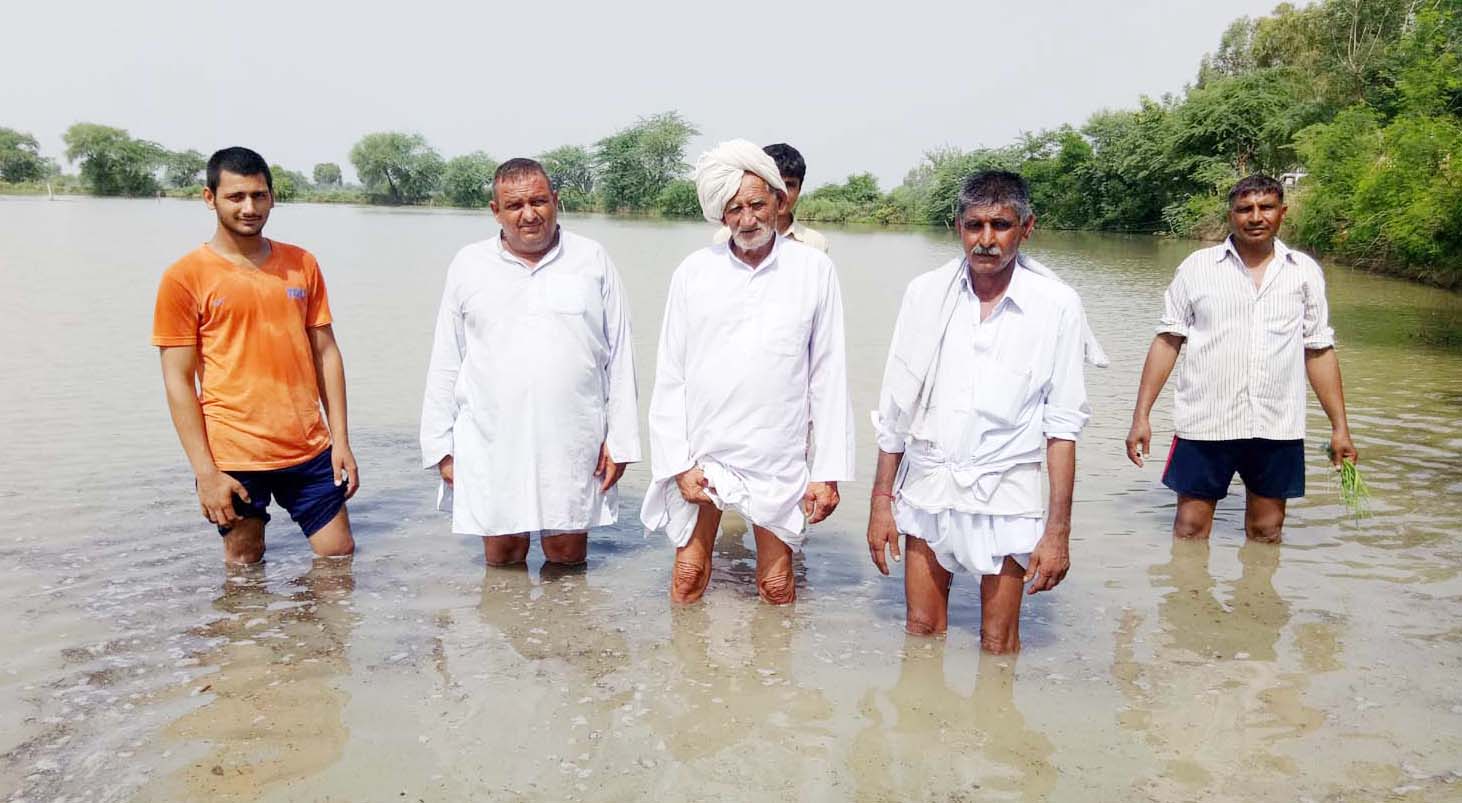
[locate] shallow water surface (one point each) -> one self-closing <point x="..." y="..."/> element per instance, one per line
<point x="138" y="667"/>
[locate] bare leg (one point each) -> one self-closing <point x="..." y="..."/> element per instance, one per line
<point x="334" y="539"/>
<point x="505" y="550"/>
<point x="1194" y="518"/>
<point x="692" y="571"/>
<point x="926" y="590"/>
<point x="1263" y="518"/>
<point x="1000" y="608"/>
<point x="569" y="549"/>
<point x="774" y="582"/>
<point x="244" y="542"/>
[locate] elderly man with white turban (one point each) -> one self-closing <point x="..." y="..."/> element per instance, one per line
<point x="750" y="362"/>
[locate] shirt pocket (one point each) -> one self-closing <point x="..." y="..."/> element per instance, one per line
<point x="566" y="295"/>
<point x="1283" y="312"/>
<point x="784" y="329"/>
<point x="1000" y="392"/>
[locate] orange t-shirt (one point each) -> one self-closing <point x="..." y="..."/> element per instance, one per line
<point x="256" y="371"/>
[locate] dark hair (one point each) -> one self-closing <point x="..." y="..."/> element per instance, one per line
<point x="1257" y="183"/>
<point x="789" y="160"/>
<point x="238" y="160"/>
<point x="518" y="168"/>
<point x="994" y="188"/>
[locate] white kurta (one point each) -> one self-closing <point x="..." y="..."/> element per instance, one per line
<point x="531" y="371"/>
<point x="748" y="359"/>
<point x="970" y="483"/>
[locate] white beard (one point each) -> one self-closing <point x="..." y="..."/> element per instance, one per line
<point x="754" y="240"/>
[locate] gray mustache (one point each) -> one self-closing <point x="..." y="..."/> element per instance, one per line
<point x="983" y="251"/>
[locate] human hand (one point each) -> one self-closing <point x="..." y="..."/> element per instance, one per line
<point x="1341" y="448"/>
<point x="693" y="484"/>
<point x="608" y="469"/>
<point x="1051" y="558"/>
<point x="216" y="494"/>
<point x="820" y="500"/>
<point x="343" y="469"/>
<point x="1139" y="440"/>
<point x="882" y="533"/>
<point x="445" y="468"/>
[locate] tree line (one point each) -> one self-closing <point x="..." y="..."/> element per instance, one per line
<point x="1359" y="100"/>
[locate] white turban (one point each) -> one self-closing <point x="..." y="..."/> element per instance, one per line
<point x="719" y="170"/>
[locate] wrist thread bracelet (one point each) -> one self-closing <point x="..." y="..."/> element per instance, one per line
<point x="877" y="494"/>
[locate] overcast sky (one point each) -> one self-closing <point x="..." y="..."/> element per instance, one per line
<point x="854" y="86"/>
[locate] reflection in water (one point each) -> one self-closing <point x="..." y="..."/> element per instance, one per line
<point x="1196" y="620"/>
<point x="734" y="685"/>
<point x="925" y="739"/>
<point x="555" y="618"/>
<point x="1212" y="698"/>
<point x="274" y="713"/>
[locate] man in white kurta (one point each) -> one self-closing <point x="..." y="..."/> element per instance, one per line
<point x="750" y="408"/>
<point x="1000" y="390"/>
<point x="530" y="412"/>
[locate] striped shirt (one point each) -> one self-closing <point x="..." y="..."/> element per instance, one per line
<point x="1243" y="369"/>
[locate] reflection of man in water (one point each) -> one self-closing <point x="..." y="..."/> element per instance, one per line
<point x="1253" y="315"/>
<point x="530" y="413"/>
<point x="931" y="749"/>
<point x="793" y="170"/>
<point x="248" y="354"/>
<point x="273" y="714"/>
<point x="984" y="379"/>
<point x="751" y="355"/>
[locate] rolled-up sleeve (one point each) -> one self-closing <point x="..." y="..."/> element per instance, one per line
<point x="1318" y="334"/>
<point x="1177" y="310"/>
<point x="1067" y="409"/>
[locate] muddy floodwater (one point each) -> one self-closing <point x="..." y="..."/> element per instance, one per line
<point x="136" y="666"/>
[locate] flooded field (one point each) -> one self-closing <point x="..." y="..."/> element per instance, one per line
<point x="138" y="667"/>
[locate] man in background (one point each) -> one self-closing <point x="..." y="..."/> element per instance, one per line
<point x="1253" y="318"/>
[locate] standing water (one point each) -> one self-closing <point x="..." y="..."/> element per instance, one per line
<point x="138" y="667"/>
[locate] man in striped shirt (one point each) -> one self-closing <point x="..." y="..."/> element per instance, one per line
<point x="1253" y="315"/>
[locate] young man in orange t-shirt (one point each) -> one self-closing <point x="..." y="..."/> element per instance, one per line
<point x="243" y="324"/>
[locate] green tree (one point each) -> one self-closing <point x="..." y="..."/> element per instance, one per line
<point x="636" y="163"/>
<point x="467" y="179"/>
<point x="183" y="168"/>
<point x="327" y="174"/>
<point x="571" y="169"/>
<point x="679" y="199"/>
<point x="288" y="184"/>
<point x="20" y="157"/>
<point x="401" y="168"/>
<point x="112" y="162"/>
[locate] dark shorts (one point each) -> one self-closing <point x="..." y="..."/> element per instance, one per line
<point x="1204" y="469"/>
<point x="308" y="491"/>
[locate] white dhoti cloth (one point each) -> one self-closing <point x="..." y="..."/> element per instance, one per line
<point x="773" y="503"/>
<point x="974" y="543"/>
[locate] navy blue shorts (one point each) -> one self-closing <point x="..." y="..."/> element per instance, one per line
<point x="308" y="491"/>
<point x="1204" y="469"/>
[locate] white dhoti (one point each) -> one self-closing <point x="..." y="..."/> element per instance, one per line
<point x="769" y="502"/>
<point x="974" y="543"/>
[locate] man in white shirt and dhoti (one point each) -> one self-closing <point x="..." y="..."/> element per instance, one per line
<point x="984" y="384"/>
<point x="750" y="408"/>
<point x="530" y="413"/>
